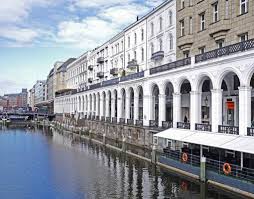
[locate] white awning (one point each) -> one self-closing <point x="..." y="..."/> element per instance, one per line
<point x="218" y="140"/>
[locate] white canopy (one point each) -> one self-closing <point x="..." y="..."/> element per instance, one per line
<point x="218" y="140"/>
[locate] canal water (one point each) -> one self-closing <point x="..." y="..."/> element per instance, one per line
<point x="37" y="164"/>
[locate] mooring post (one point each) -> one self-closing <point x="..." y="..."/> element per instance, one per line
<point x="154" y="156"/>
<point x="124" y="145"/>
<point x="202" y="169"/>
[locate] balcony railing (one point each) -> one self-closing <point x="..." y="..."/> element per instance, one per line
<point x="130" y="122"/>
<point x="103" y="118"/>
<point x="100" y="74"/>
<point x="170" y="66"/>
<point x="110" y="82"/>
<point x="250" y="131"/>
<point x="100" y="60"/>
<point x="122" y="121"/>
<point x="108" y="119"/>
<point x="153" y="123"/>
<point x="139" y="123"/>
<point x="183" y="125"/>
<point x="234" y="130"/>
<point x="203" y="127"/>
<point x="114" y="120"/>
<point x="132" y="76"/>
<point x="167" y="124"/>
<point x="90" y="67"/>
<point x="114" y="71"/>
<point x="227" y="50"/>
<point x="158" y="55"/>
<point x="132" y="64"/>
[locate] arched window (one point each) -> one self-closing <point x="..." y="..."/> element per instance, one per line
<point x="170" y="18"/>
<point x="152" y="49"/>
<point x="171" y="41"/>
<point x="161" y="45"/>
<point x="152" y="29"/>
<point x="161" y="23"/>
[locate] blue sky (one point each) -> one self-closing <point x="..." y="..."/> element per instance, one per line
<point x="34" y="34"/>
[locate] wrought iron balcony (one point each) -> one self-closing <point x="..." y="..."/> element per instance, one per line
<point x="130" y="122"/>
<point x="132" y="64"/>
<point x="171" y="66"/>
<point x="103" y="118"/>
<point x="114" y="120"/>
<point x="183" y="125"/>
<point x="203" y="127"/>
<point x="100" y="74"/>
<point x="108" y="119"/>
<point x="139" y="123"/>
<point x="132" y="76"/>
<point x="122" y="121"/>
<point x="227" y="50"/>
<point x="90" y="67"/>
<point x="234" y="130"/>
<point x="100" y="60"/>
<point x="114" y="71"/>
<point x="157" y="55"/>
<point x="153" y="123"/>
<point x="167" y="124"/>
<point x="90" y="80"/>
<point x="250" y="131"/>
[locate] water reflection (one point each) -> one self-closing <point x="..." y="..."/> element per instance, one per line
<point x="59" y="165"/>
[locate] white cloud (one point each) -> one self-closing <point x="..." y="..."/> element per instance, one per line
<point x="99" y="3"/>
<point x="20" y="35"/>
<point x="154" y="3"/>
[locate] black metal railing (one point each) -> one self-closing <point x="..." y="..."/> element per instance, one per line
<point x="130" y="122"/>
<point x="183" y="125"/>
<point x="234" y="130"/>
<point x="122" y="121"/>
<point x="103" y="118"/>
<point x="170" y="66"/>
<point x="108" y="119"/>
<point x="203" y="127"/>
<point x="250" y="131"/>
<point x="153" y="123"/>
<point x="227" y="50"/>
<point x="114" y="120"/>
<point x="139" y="122"/>
<point x="167" y="124"/>
<point x="132" y="76"/>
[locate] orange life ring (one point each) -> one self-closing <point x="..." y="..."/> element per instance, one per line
<point x="184" y="157"/>
<point x="227" y="168"/>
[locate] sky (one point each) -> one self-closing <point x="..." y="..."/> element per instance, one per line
<point x="34" y="34"/>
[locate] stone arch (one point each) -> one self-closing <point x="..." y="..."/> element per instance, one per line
<point x="224" y="73"/>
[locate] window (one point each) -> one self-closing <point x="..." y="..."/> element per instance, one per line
<point x="135" y="55"/>
<point x="215" y="12"/>
<point x="129" y="42"/>
<point x="170" y="18"/>
<point x="244" y="6"/>
<point x="135" y="38"/>
<point x="186" y="54"/>
<point x="220" y="43"/>
<point x="243" y="37"/>
<point x="152" y="49"/>
<point x="182" y="4"/>
<point x="202" y="50"/>
<point x="161" y="23"/>
<point x="142" y="54"/>
<point x="161" y="45"/>
<point x="171" y="42"/>
<point x="226" y="9"/>
<point x="129" y="57"/>
<point x="152" y="29"/>
<point x="202" y="21"/>
<point x="190" y="26"/>
<point x="191" y="3"/>
<point x="142" y="34"/>
<point x="182" y="27"/>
